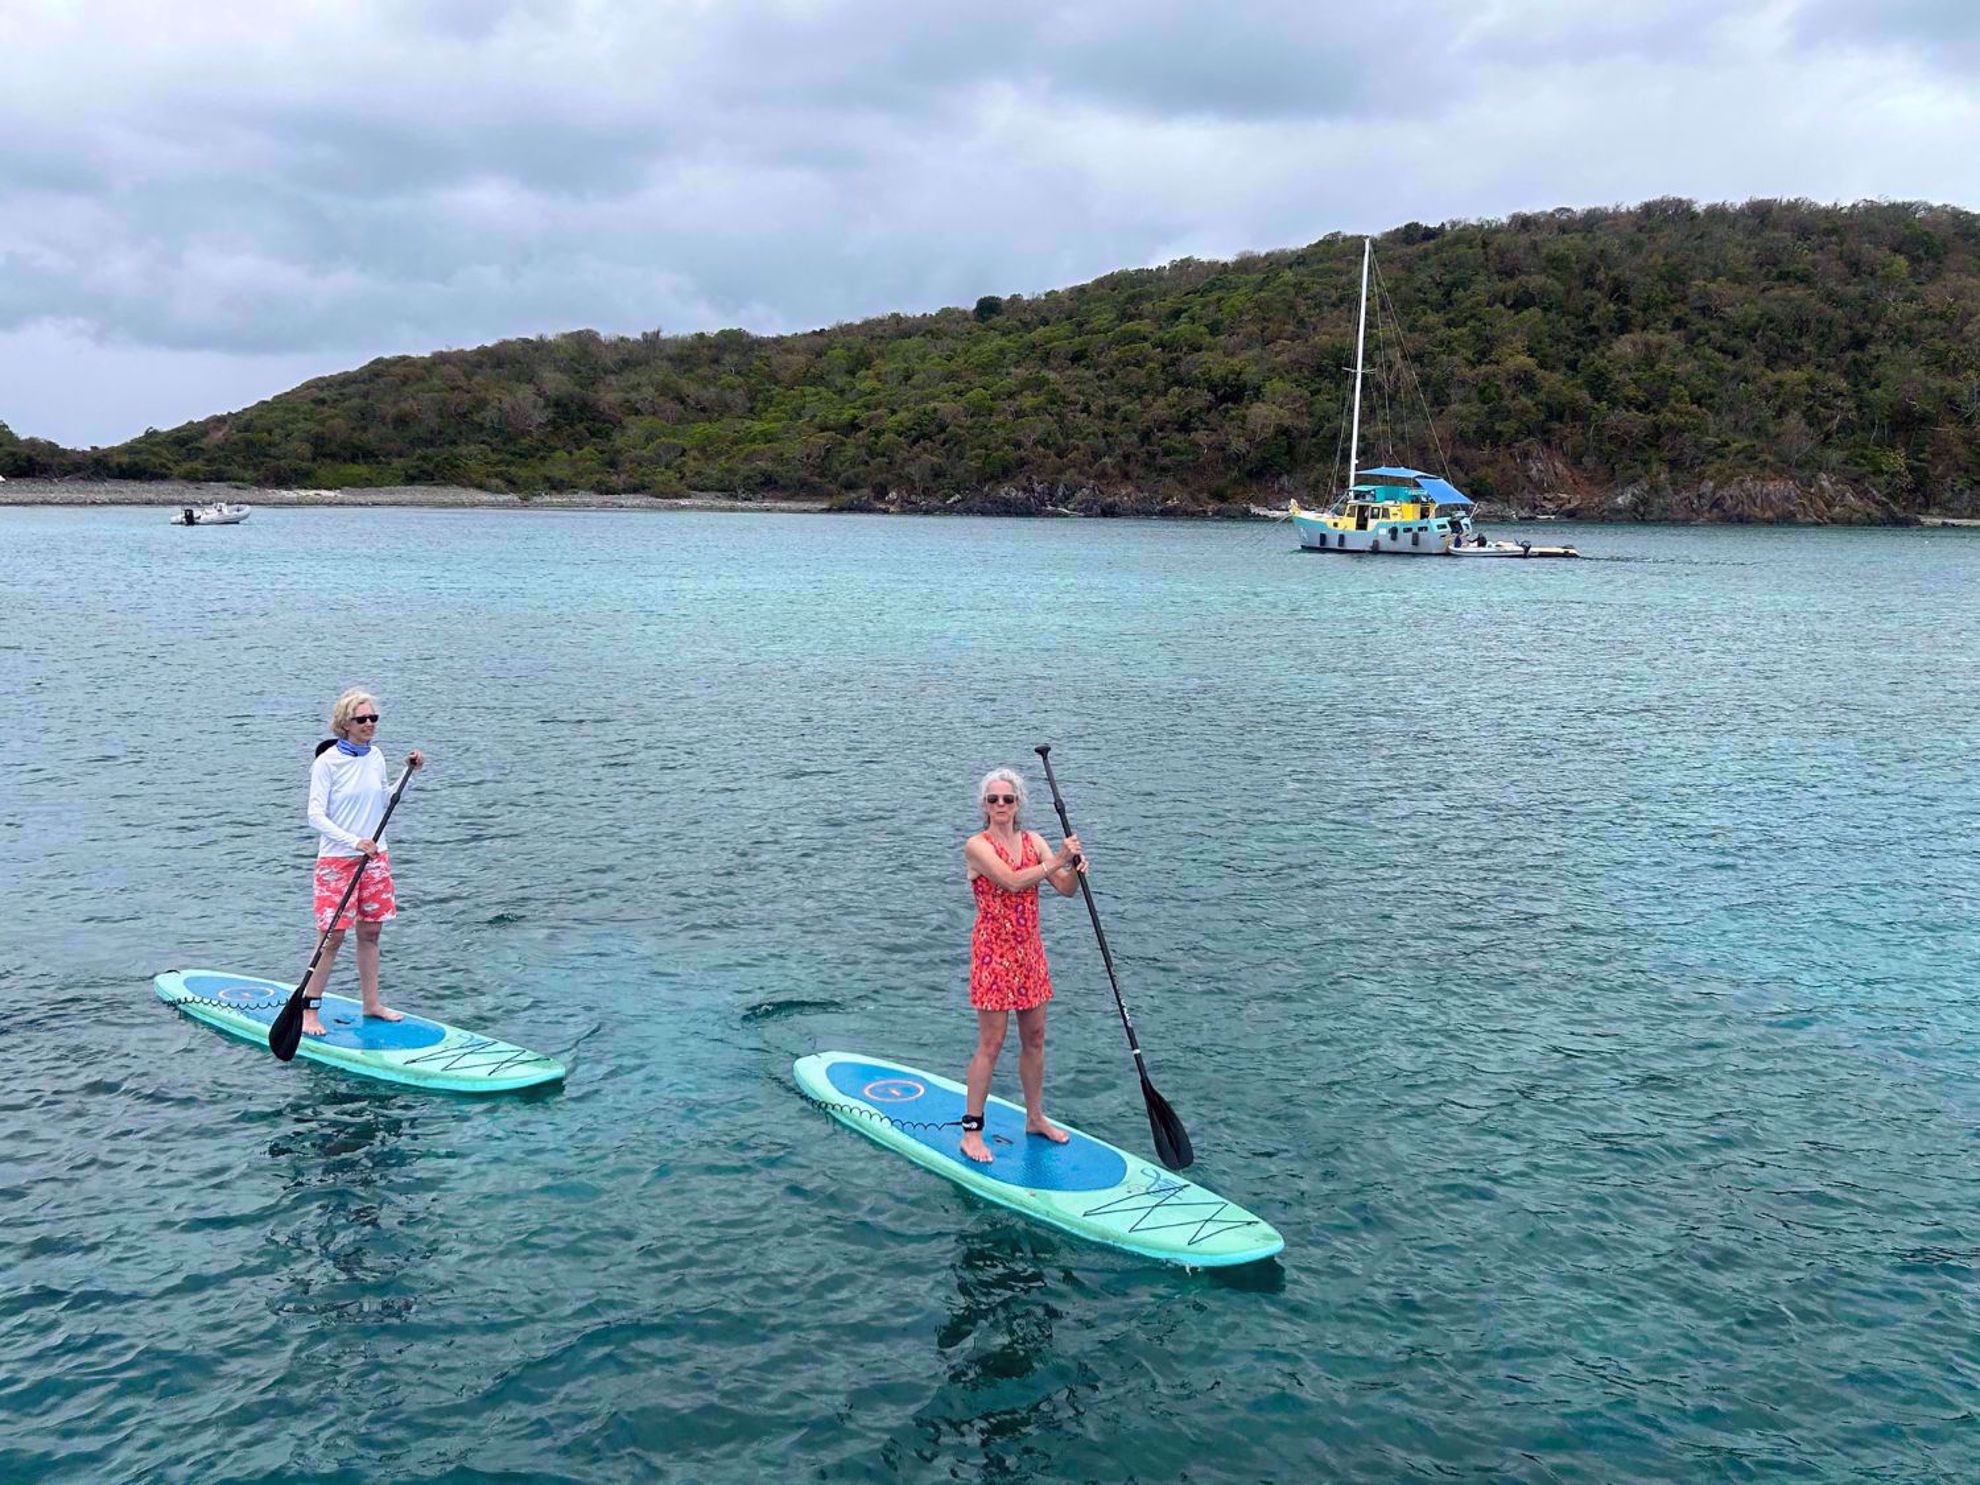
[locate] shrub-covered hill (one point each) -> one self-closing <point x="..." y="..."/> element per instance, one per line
<point x="1773" y="358"/>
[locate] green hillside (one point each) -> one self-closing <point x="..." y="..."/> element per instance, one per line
<point x="1565" y="356"/>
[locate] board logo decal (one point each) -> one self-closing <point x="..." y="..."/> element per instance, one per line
<point x="892" y="1090"/>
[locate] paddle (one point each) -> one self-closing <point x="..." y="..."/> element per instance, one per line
<point x="285" y="1034"/>
<point x="1171" y="1139"/>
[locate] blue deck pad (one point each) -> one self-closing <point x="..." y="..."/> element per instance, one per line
<point x="929" y="1114"/>
<point x="262" y="1000"/>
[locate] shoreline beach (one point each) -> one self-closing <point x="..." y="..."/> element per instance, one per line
<point x="167" y="493"/>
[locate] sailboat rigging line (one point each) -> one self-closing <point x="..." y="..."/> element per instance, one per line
<point x="1384" y="387"/>
<point x="1360" y="345"/>
<point x="1340" y="440"/>
<point x="1409" y="371"/>
<point x="1335" y="482"/>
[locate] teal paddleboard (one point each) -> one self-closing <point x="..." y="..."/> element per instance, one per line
<point x="1086" y="1186"/>
<point x="415" y="1051"/>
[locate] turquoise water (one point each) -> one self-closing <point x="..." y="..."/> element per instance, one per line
<point x="1575" y="961"/>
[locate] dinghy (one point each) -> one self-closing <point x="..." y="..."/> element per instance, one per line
<point x="1480" y="547"/>
<point x="217" y="513"/>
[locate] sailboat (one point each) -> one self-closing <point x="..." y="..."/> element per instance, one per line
<point x="1394" y="510"/>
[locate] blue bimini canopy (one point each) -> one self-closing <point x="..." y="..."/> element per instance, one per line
<point x="1441" y="492"/>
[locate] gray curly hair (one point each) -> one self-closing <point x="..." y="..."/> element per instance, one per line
<point x="1013" y="785"/>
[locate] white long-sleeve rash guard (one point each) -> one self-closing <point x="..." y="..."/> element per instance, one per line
<point x="347" y="798"/>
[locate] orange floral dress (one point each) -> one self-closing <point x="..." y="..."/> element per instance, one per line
<point x="1007" y="970"/>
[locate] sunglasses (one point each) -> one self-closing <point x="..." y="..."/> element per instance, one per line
<point x="1000" y="799"/>
<point x="365" y="720"/>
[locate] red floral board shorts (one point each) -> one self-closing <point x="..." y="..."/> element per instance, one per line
<point x="373" y="902"/>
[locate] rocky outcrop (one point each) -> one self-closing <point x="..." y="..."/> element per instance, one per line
<point x="1531" y="481"/>
<point x="1036" y="497"/>
<point x="1548" y="485"/>
<point x="1821" y="501"/>
<point x="1545" y="484"/>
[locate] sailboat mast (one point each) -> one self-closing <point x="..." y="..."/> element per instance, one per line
<point x="1360" y="339"/>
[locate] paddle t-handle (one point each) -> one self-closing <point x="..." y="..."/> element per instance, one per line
<point x="1172" y="1145"/>
<point x="285" y="1032"/>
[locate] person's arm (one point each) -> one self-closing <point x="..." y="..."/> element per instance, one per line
<point x="984" y="858"/>
<point x="319" y="808"/>
<point x="1064" y="878"/>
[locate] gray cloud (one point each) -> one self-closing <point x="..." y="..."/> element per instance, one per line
<point x="1945" y="32"/>
<point x="340" y="182"/>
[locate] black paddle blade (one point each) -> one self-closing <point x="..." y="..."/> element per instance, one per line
<point x="1172" y="1145"/>
<point x="285" y="1035"/>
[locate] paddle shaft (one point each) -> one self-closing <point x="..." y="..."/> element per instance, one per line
<point x="291" y="1013"/>
<point x="1172" y="1146"/>
<point x="1044" y="751"/>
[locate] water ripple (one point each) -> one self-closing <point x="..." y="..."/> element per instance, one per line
<point x="1589" y="1006"/>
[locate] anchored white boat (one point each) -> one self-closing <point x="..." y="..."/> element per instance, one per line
<point x="1478" y="546"/>
<point x="1401" y="512"/>
<point x="218" y="513"/>
<point x="1394" y="510"/>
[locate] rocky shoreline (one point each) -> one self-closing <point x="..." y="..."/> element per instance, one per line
<point x="1741" y="502"/>
<point x="167" y="493"/>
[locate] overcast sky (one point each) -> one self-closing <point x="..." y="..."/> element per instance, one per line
<point x="204" y="203"/>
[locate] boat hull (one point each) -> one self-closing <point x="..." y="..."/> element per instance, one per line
<point x="1416" y="540"/>
<point x="211" y="515"/>
<point x="1520" y="550"/>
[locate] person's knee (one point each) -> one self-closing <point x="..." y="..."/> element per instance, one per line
<point x="368" y="932"/>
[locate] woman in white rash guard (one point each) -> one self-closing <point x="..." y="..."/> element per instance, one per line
<point x="348" y="790"/>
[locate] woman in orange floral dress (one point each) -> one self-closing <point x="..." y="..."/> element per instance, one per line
<point x="1007" y="970"/>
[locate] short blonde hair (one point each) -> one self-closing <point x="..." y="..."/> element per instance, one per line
<point x="346" y="706"/>
<point x="1014" y="785"/>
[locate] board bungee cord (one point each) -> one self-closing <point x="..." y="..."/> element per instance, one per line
<point x="1086" y="1186"/>
<point x="415" y="1052"/>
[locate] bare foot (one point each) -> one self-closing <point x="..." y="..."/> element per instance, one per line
<point x="313" y="1024"/>
<point x="974" y="1148"/>
<point x="1044" y="1126"/>
<point x="383" y="1012"/>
